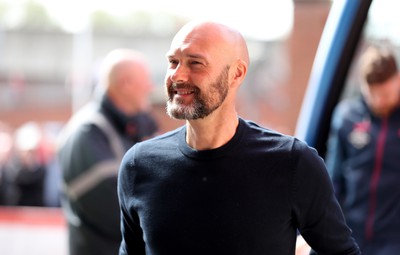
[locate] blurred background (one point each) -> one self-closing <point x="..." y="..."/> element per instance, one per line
<point x="50" y="51"/>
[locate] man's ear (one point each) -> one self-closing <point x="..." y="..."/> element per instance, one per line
<point x="239" y="71"/>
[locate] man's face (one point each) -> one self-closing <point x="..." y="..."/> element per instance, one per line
<point x="197" y="79"/>
<point x="383" y="98"/>
<point x="188" y="101"/>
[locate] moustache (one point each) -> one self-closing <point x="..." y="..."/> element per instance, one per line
<point x="186" y="86"/>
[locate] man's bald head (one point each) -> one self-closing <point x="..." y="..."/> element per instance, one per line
<point x="125" y="80"/>
<point x="115" y="63"/>
<point x="228" y="40"/>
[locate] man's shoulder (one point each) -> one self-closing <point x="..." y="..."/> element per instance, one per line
<point x="280" y="145"/>
<point x="260" y="131"/>
<point x="163" y="144"/>
<point x="83" y="116"/>
<point x="351" y="106"/>
<point x="349" y="111"/>
<point x="271" y="138"/>
<point x="163" y="139"/>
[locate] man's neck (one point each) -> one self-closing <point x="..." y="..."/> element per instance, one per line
<point x="211" y="132"/>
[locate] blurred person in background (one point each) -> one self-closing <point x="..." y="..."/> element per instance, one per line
<point x="92" y="145"/>
<point x="28" y="167"/>
<point x="6" y="144"/>
<point x="363" y="155"/>
<point x="52" y="182"/>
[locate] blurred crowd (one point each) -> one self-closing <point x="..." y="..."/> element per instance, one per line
<point x="29" y="173"/>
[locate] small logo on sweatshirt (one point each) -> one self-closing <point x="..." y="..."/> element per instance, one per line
<point x="359" y="136"/>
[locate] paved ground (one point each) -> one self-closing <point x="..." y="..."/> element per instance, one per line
<point x="33" y="231"/>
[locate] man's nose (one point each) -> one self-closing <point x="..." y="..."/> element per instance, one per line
<point x="179" y="74"/>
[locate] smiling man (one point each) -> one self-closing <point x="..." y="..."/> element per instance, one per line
<point x="221" y="184"/>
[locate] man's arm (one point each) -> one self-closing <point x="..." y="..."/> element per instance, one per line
<point x="319" y="216"/>
<point x="132" y="234"/>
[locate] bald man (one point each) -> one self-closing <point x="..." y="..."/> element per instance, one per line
<point x="221" y="184"/>
<point x="91" y="148"/>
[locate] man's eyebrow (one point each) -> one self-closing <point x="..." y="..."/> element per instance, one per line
<point x="196" y="56"/>
<point x="191" y="55"/>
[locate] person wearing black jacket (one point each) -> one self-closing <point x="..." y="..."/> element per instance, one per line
<point x="91" y="147"/>
<point x="363" y="154"/>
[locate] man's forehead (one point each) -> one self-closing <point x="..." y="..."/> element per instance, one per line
<point x="189" y="48"/>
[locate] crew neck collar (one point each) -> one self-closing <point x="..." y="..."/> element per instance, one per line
<point x="212" y="153"/>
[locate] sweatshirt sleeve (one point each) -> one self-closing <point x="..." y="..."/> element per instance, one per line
<point x="132" y="234"/>
<point x="318" y="214"/>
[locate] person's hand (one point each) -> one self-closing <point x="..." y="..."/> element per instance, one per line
<point x="302" y="248"/>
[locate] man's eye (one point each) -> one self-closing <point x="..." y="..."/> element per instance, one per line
<point x="173" y="62"/>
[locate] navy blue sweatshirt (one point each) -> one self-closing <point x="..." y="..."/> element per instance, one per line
<point x="249" y="196"/>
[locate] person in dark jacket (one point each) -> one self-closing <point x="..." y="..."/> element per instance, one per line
<point x="363" y="155"/>
<point x="6" y="141"/>
<point x="91" y="147"/>
<point x="222" y="184"/>
<point x="27" y="166"/>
